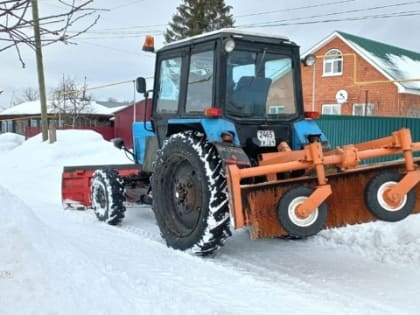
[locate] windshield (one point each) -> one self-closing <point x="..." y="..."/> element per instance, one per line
<point x="259" y="84"/>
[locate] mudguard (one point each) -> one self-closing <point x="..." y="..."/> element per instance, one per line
<point x="231" y="154"/>
<point x="303" y="130"/>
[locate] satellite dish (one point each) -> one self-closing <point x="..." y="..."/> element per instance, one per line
<point x="341" y="96"/>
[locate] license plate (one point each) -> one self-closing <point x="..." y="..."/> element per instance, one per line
<point x="267" y="138"/>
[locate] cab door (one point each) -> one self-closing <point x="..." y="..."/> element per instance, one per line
<point x="169" y="92"/>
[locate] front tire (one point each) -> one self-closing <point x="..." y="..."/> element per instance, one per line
<point x="107" y="195"/>
<point x="189" y="194"/>
<point x="377" y="202"/>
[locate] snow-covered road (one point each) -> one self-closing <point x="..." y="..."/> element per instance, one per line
<point x="55" y="261"/>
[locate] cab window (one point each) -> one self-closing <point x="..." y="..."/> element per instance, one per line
<point x="259" y="84"/>
<point x="200" y="82"/>
<point x="169" y="85"/>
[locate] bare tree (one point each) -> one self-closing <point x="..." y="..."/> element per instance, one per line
<point x="16" y="24"/>
<point x="69" y="101"/>
<point x="29" y="94"/>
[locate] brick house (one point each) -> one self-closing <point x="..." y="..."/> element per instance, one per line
<point x="358" y="76"/>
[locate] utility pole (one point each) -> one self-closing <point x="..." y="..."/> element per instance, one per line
<point x="40" y="68"/>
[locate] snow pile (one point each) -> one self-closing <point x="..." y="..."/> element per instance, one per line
<point x="9" y="141"/>
<point x="40" y="164"/>
<point x="73" y="147"/>
<point x="33" y="107"/>
<point x="391" y="243"/>
<point x="41" y="270"/>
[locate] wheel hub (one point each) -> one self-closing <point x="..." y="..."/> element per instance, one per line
<point x="186" y="195"/>
<point x="183" y="193"/>
<point x="388" y="201"/>
<point x="297" y="215"/>
<point x="100" y="198"/>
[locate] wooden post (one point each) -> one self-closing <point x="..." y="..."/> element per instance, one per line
<point x="52" y="133"/>
<point x="40" y="68"/>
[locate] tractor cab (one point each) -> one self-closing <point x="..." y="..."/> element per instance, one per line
<point x="233" y="86"/>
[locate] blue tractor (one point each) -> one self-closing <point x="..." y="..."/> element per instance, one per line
<point x="218" y="98"/>
<point x="229" y="145"/>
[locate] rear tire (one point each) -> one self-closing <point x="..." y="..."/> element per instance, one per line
<point x="379" y="206"/>
<point x="189" y="194"/>
<point x="296" y="226"/>
<point x="107" y="195"/>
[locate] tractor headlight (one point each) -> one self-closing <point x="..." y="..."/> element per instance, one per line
<point x="309" y="60"/>
<point x="229" y="45"/>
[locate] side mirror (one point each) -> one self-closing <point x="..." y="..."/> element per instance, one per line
<point x="141" y="85"/>
<point x="118" y="143"/>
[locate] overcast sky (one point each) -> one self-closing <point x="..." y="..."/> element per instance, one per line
<point x="111" y="51"/>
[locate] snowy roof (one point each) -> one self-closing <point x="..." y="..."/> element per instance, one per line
<point x="395" y="63"/>
<point x="34" y="108"/>
<point x="233" y="31"/>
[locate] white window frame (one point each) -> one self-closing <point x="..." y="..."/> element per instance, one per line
<point x="331" y="109"/>
<point x="333" y="59"/>
<point x="363" y="109"/>
<point x="7" y="126"/>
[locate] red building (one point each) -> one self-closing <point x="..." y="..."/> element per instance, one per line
<point x="124" y="118"/>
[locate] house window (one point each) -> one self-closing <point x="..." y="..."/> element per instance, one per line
<point x="35" y="122"/>
<point x="363" y="109"/>
<point x="333" y="63"/>
<point x="331" y="109"/>
<point x="7" y="126"/>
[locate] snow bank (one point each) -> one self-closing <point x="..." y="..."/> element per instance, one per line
<point x="9" y="141"/>
<point x="73" y="147"/>
<point x="42" y="272"/>
<point x="38" y="163"/>
<point x="391" y="243"/>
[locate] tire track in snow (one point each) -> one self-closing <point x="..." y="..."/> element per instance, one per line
<point x="263" y="270"/>
<point x="287" y="262"/>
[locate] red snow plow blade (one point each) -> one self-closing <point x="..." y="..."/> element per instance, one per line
<point x="75" y="183"/>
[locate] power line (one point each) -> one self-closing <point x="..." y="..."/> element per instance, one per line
<point x="238" y="16"/>
<point x="296" y="9"/>
<point x="82" y="41"/>
<point x="368" y="17"/>
<point x="131" y="31"/>
<point x="117" y="36"/>
<point x="128" y="31"/>
<point x="143" y="32"/>
<point x="125" y="5"/>
<point x="275" y="22"/>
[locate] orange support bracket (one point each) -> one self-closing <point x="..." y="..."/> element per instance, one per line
<point x="408" y="182"/>
<point x="235" y="196"/>
<point x="320" y="194"/>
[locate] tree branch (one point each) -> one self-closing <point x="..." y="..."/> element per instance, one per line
<point x="16" y="25"/>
